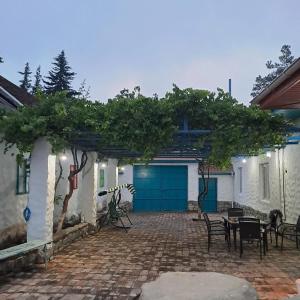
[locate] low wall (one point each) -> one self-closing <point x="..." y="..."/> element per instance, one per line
<point x="249" y="211"/>
<point x="221" y="206"/>
<point x="60" y="241"/>
<point x="224" y="205"/>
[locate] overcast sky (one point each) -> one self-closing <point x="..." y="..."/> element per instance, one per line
<point x="116" y="44"/>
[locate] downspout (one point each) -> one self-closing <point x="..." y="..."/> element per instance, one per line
<point x="283" y="185"/>
<point x="279" y="176"/>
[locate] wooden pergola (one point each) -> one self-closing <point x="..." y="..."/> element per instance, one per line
<point x="183" y="146"/>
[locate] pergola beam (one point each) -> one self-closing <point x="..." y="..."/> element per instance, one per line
<point x="183" y="146"/>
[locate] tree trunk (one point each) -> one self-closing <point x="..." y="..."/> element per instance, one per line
<point x="65" y="204"/>
<point x="67" y="198"/>
<point x="203" y="193"/>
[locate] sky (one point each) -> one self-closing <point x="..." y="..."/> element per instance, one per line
<point x="116" y="44"/>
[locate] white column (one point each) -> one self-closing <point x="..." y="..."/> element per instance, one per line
<point x="193" y="182"/>
<point x="41" y="192"/>
<point x="112" y="174"/>
<point x="88" y="189"/>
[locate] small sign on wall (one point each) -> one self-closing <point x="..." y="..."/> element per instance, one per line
<point x="74" y="181"/>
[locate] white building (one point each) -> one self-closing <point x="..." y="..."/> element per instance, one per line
<point x="14" y="179"/>
<point x="272" y="180"/>
<point x="173" y="185"/>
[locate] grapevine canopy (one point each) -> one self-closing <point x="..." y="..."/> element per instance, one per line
<point x="133" y="125"/>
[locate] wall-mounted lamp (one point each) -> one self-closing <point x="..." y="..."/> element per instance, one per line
<point x="244" y="160"/>
<point x="63" y="156"/>
<point x="268" y="154"/>
<point x="121" y="170"/>
<point x="103" y="165"/>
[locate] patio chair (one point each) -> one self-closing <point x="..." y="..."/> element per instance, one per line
<point x="275" y="217"/>
<point x="250" y="231"/>
<point x="235" y="212"/>
<point x="214" y="229"/>
<point x="290" y="230"/>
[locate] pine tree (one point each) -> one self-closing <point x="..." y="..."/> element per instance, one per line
<point x="26" y="81"/>
<point x="285" y="60"/>
<point x="60" y="77"/>
<point x="38" y="81"/>
<point x="84" y="90"/>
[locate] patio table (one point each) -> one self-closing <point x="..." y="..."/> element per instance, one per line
<point x="233" y="223"/>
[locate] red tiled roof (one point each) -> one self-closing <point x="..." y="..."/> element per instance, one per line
<point x="20" y="94"/>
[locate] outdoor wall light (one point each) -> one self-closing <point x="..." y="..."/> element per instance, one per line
<point x="268" y="154"/>
<point x="122" y="168"/>
<point x="103" y="165"/>
<point x="244" y="160"/>
<point x="63" y="157"/>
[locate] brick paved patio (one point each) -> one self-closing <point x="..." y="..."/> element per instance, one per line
<point x="113" y="265"/>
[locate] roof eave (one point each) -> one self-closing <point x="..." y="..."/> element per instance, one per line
<point x="294" y="67"/>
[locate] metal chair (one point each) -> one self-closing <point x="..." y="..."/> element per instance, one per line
<point x="292" y="230"/>
<point x="250" y="231"/>
<point x="275" y="217"/>
<point x="214" y="229"/>
<point x="235" y="212"/>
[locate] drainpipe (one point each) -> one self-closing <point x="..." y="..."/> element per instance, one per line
<point x="279" y="175"/>
<point x="283" y="185"/>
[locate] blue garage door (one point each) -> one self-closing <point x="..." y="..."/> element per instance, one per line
<point x="210" y="202"/>
<point x="160" y="188"/>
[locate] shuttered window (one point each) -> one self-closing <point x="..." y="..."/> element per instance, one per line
<point x="23" y="172"/>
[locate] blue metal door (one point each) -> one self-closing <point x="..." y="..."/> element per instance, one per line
<point x="160" y="188"/>
<point x="210" y="202"/>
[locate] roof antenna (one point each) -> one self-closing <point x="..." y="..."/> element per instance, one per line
<point x="229" y="87"/>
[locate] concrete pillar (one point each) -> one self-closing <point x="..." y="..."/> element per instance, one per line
<point x="88" y="189"/>
<point x="41" y="192"/>
<point x="112" y="174"/>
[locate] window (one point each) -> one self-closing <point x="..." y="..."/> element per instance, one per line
<point x="101" y="178"/>
<point x="241" y="179"/>
<point x="23" y="172"/>
<point x="264" y="180"/>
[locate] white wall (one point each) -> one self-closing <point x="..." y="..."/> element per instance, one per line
<point x="225" y="187"/>
<point x="92" y="168"/>
<point x="284" y="181"/>
<point x="111" y="179"/>
<point x="63" y="187"/>
<point x="11" y="205"/>
<point x="126" y="176"/>
<point x="291" y="178"/>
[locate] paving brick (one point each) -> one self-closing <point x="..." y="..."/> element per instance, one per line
<point x="113" y="264"/>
